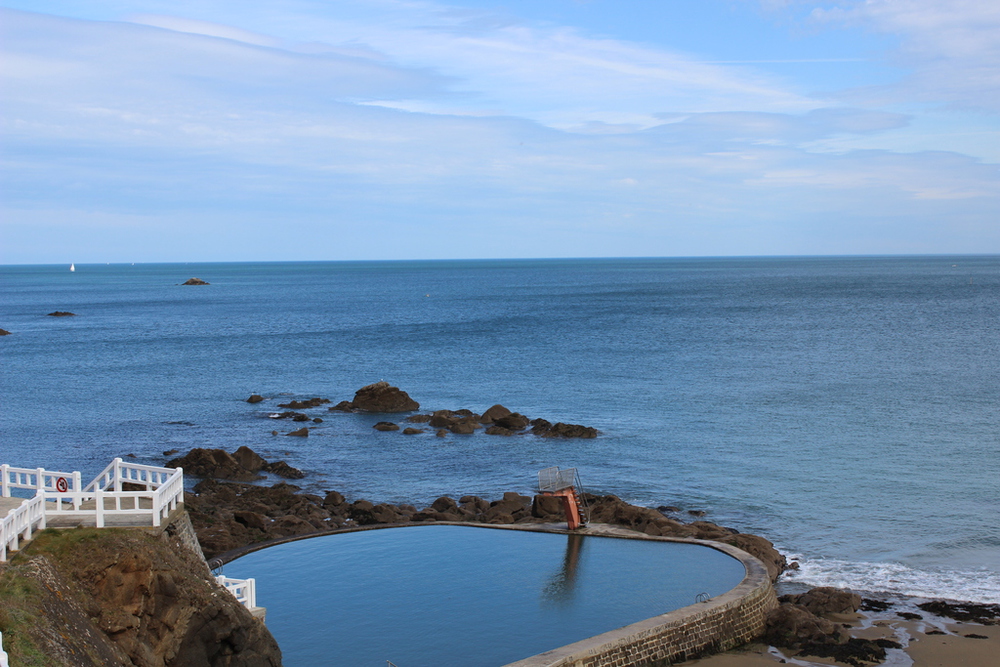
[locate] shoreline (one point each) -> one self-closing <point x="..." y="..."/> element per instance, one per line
<point x="932" y="641"/>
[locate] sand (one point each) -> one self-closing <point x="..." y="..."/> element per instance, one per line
<point x="953" y="649"/>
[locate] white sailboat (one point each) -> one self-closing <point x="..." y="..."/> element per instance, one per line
<point x="72" y="267"/>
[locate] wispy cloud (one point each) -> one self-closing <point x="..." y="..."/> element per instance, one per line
<point x="395" y="129"/>
<point x="951" y="46"/>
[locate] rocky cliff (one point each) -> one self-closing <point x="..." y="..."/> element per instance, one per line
<point x="123" y="598"/>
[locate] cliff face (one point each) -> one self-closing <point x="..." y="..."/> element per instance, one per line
<point x="131" y="598"/>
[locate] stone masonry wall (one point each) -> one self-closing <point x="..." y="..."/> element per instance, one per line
<point x="720" y="624"/>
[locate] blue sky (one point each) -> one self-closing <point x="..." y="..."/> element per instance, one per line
<point x="218" y="130"/>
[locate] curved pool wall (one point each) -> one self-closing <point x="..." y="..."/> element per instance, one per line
<point x="719" y="624"/>
<point x="732" y="617"/>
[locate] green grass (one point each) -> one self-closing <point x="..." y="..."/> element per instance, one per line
<point x="20" y="601"/>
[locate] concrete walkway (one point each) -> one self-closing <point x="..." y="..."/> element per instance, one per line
<point x="7" y="504"/>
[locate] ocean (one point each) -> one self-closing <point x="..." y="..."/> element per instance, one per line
<point x="847" y="408"/>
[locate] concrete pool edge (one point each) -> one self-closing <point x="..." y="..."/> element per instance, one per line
<point x="718" y="624"/>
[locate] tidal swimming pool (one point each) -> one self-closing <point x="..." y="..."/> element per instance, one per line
<point x="432" y="596"/>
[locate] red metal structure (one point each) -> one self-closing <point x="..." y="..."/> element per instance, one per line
<point x="565" y="484"/>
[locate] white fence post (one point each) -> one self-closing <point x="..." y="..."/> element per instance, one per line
<point x="40" y="480"/>
<point x="99" y="507"/>
<point x="4" y="488"/>
<point x="3" y="654"/>
<point x="118" y="474"/>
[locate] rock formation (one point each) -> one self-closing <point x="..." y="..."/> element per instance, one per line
<point x="4" y="332"/>
<point x="194" y="281"/>
<point x="382" y="397"/>
<point x="227" y="516"/>
<point x="125" y="598"/>
<point x="61" y="313"/>
<point x="241" y="466"/>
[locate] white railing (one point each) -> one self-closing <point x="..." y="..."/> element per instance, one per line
<point x="244" y="590"/>
<point x="3" y="654"/>
<point x="20" y="523"/>
<point x="60" y="494"/>
<point x="38" y="479"/>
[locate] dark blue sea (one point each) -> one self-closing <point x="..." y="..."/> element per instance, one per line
<point x="846" y="408"/>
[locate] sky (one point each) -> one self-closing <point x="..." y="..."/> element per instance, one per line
<point x="283" y="130"/>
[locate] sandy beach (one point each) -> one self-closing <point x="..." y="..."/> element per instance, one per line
<point x="929" y="642"/>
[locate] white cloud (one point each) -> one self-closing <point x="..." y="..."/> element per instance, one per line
<point x="951" y="46"/>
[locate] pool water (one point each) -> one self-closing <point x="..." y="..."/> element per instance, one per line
<point x="432" y="596"/>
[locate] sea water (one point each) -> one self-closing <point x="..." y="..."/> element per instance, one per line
<point x="846" y="408"/>
<point x="457" y="595"/>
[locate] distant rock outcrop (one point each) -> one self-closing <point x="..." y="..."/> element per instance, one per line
<point x="61" y="313"/>
<point x="383" y="397"/>
<point x="194" y="281"/>
<point x="4" y="332"/>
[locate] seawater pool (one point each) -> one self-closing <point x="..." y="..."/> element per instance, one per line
<point x="432" y="596"/>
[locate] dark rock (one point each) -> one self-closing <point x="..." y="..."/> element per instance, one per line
<point x="294" y="416"/>
<point x="668" y="509"/>
<point x="409" y="430"/>
<point x="498" y="430"/>
<point x="539" y="426"/>
<point x="442" y="419"/>
<point x="548" y="507"/>
<point x="249" y="459"/>
<point x="301" y="433"/>
<point x="465" y="428"/>
<point x="382" y="397"/>
<point x="696" y="512"/>
<point x="4" y="332"/>
<point x="494" y="413"/>
<point x="973" y="635"/>
<point x="418" y="419"/>
<point x="385" y="426"/>
<point x="343" y="406"/>
<point x="61" y="313"/>
<point x="282" y="469"/>
<point x="317" y="420"/>
<point x="986" y="614"/>
<point x="304" y="405"/>
<point x="213" y="463"/>
<point x="514" y="421"/>
<point x="867" y="604"/>
<point x="909" y="616"/>
<point x="333" y="499"/>
<point x="561" y="430"/>
<point x="444" y="504"/>
<point x="825" y="600"/>
<point x="252" y="520"/>
<point x="855" y="651"/>
<point x="255" y="398"/>
<point x="170" y="452"/>
<point x="194" y="281"/>
<point x="793" y="626"/>
<point x="441" y="433"/>
<point x="760" y="548"/>
<point x="289" y="525"/>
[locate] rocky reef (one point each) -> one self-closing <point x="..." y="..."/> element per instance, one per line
<point x="383" y="398"/>
<point x="231" y="515"/>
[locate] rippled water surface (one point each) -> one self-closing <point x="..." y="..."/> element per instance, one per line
<point x="844" y="407"/>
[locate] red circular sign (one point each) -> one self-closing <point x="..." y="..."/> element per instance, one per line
<point x="61" y="485"/>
